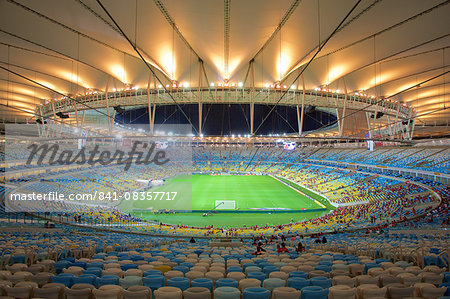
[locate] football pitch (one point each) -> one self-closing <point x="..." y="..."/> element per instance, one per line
<point x="250" y="192"/>
<point x="259" y="200"/>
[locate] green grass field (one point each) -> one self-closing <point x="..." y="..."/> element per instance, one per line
<point x="251" y="193"/>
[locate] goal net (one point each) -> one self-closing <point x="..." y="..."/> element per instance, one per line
<point x="225" y="205"/>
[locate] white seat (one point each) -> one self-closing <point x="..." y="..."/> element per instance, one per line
<point x="236" y="275"/>
<point x="365" y="279"/>
<point x="112" y="293"/>
<point x="78" y="293"/>
<point x="342" y="292"/>
<point x="344" y="280"/>
<point x="248" y="283"/>
<point x="279" y="274"/>
<point x="139" y="292"/>
<point x="397" y="292"/>
<point x="194" y="274"/>
<point x="214" y="276"/>
<point x="285" y="293"/>
<point x="170" y="274"/>
<point x="168" y="293"/>
<point x="197" y="293"/>
<point x="227" y="293"/>
<point x="431" y="277"/>
<point x="409" y="279"/>
<point x="370" y="290"/>
<point x="18" y="292"/>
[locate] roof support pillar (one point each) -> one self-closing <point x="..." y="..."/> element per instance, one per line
<point x="374" y="124"/>
<point x="55" y="119"/>
<point x="75" y="108"/>
<point x="341" y="128"/>
<point x="200" y="97"/>
<point x="107" y="106"/>
<point x="300" y="124"/>
<point x="82" y="122"/>
<point x="151" y="109"/>
<point x="389" y="127"/>
<point x="339" y="119"/>
<point x="408" y="125"/>
<point x="396" y="119"/>
<point x="369" y="125"/>
<point x="44" y="132"/>
<point x="252" y="96"/>
<point x="413" y="124"/>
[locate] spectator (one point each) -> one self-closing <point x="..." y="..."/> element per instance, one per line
<point x="283" y="248"/>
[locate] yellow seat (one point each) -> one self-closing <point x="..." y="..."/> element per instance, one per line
<point x="163" y="268"/>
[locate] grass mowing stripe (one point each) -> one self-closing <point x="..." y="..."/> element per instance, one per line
<point x="250" y="193"/>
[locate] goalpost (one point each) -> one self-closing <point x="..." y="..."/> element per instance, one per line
<point x="225" y="205"/>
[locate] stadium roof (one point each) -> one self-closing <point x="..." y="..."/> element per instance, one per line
<point x="385" y="48"/>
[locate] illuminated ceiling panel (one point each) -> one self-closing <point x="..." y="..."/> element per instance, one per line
<point x="383" y="47"/>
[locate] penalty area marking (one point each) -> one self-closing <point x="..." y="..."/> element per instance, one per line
<point x="298" y="191"/>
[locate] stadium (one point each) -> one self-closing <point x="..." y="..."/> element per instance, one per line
<point x="224" y="149"/>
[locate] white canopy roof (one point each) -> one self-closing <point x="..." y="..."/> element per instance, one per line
<point x="383" y="47"/>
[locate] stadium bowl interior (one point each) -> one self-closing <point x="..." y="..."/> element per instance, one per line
<point x="226" y="149"/>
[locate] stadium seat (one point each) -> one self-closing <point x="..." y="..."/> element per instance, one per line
<point x="256" y="293"/>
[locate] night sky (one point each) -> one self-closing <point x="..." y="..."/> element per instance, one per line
<point x="228" y="119"/>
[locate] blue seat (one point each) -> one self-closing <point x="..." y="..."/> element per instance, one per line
<point x="94" y="265"/>
<point x="107" y="279"/>
<point x="297" y="282"/>
<point x="248" y="265"/>
<point x="446" y="276"/>
<point x="85" y="278"/>
<point x="99" y="256"/>
<point x="258" y="275"/>
<point x="203" y="282"/>
<point x="264" y="264"/>
<point x="66" y="275"/>
<point x="379" y="261"/>
<point x="177" y="260"/>
<point x="323" y="268"/>
<point x="314" y="292"/>
<point x="128" y="266"/>
<point x="64" y="279"/>
<point x="298" y="274"/>
<point x="270" y="269"/>
<point x="93" y="270"/>
<point x="226" y="282"/>
<point x="321" y="282"/>
<point x="16" y="259"/>
<point x="187" y="264"/>
<point x="153" y="281"/>
<point x="182" y="283"/>
<point x="79" y="264"/>
<point x="234" y="269"/>
<point x="181" y="268"/>
<point x="59" y="266"/>
<point x="136" y="258"/>
<point x="123" y="257"/>
<point x="370" y="266"/>
<point x="152" y="272"/>
<point x="447" y="285"/>
<point x="256" y="293"/>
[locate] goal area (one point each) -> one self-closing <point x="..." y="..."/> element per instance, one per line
<point x="225" y="205"/>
